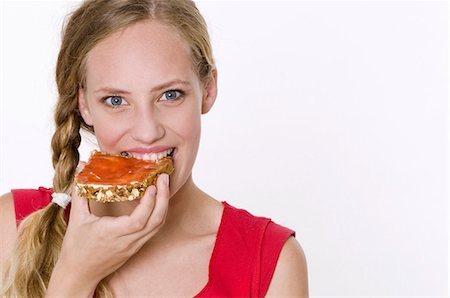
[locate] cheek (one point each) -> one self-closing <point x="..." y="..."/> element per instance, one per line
<point x="187" y="124"/>
<point x="107" y="139"/>
<point x="108" y="132"/>
<point x="187" y="127"/>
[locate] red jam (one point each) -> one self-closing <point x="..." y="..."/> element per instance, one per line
<point x="106" y="169"/>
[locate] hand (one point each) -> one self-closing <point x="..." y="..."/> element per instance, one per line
<point x="94" y="247"/>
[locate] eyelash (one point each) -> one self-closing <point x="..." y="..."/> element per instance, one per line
<point x="180" y="94"/>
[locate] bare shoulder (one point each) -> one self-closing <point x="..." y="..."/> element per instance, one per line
<point x="291" y="275"/>
<point x="8" y="231"/>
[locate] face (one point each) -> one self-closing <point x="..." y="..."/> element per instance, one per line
<point x="143" y="97"/>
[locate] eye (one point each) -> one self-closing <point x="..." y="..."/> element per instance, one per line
<point x="171" y="95"/>
<point x="114" y="101"/>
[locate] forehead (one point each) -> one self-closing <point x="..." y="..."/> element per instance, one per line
<point x="147" y="51"/>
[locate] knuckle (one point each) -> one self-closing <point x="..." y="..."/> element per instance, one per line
<point x="136" y="224"/>
<point x="159" y="219"/>
<point x="124" y="249"/>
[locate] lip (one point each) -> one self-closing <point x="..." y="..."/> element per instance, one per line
<point x="142" y="150"/>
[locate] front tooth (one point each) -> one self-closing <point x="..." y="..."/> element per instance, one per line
<point x="156" y="156"/>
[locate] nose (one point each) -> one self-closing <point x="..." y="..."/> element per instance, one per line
<point x="147" y="128"/>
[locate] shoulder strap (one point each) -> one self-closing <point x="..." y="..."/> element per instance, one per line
<point x="245" y="256"/>
<point x="274" y="238"/>
<point x="233" y="260"/>
<point x="27" y="201"/>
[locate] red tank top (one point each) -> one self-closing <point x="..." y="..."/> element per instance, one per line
<point x="244" y="256"/>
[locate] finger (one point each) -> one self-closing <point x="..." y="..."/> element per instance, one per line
<point x="138" y="219"/>
<point x="79" y="206"/>
<point x="159" y="214"/>
<point x="162" y="204"/>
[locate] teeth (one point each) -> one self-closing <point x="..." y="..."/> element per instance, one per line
<point x="153" y="156"/>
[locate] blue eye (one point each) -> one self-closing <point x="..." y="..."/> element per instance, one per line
<point x="171" y="95"/>
<point x="114" y="101"/>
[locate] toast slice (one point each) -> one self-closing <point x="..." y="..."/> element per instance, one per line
<point x="114" y="178"/>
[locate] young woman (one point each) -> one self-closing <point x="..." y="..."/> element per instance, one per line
<point x="139" y="74"/>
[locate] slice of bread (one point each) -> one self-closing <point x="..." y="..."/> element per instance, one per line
<point x="113" y="178"/>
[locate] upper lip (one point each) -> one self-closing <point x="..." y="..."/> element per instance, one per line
<point x="144" y="150"/>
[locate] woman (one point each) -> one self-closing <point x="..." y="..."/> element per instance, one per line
<point x="139" y="74"/>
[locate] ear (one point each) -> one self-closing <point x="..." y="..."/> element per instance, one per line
<point x="210" y="92"/>
<point x="83" y="107"/>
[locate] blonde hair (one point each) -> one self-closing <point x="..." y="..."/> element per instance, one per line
<point x="41" y="234"/>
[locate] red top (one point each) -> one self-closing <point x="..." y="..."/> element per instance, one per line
<point x="245" y="253"/>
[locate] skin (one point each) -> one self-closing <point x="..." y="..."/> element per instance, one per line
<point x="172" y="229"/>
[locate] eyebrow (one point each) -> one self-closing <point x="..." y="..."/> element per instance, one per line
<point x="113" y="90"/>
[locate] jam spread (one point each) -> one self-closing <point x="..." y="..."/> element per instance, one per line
<point x="106" y="169"/>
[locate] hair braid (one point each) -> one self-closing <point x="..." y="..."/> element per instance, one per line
<point x="41" y="234"/>
<point x="65" y="143"/>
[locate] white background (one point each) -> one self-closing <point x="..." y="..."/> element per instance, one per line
<point x="332" y="118"/>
